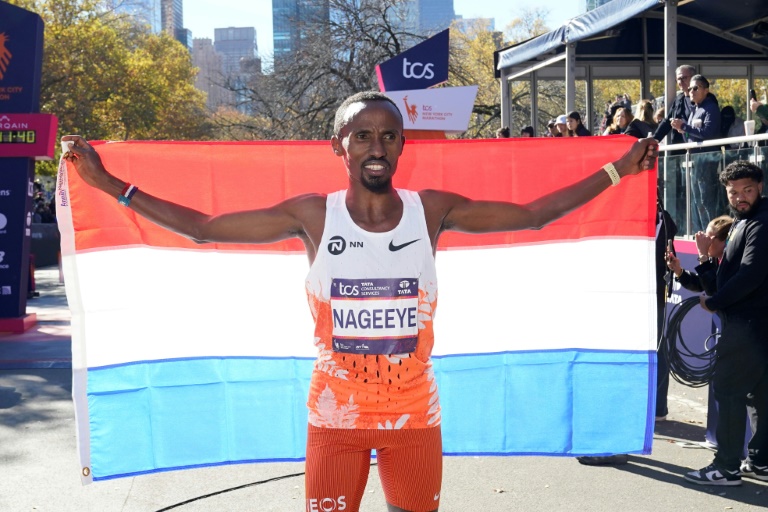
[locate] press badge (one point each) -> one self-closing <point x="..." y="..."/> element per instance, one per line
<point x="375" y="316"/>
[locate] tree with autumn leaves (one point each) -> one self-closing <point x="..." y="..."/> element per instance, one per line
<point x="107" y="77"/>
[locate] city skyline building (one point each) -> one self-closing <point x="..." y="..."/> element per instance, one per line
<point x="159" y="16"/>
<point x="291" y="19"/>
<point x="145" y="12"/>
<point x="173" y="15"/>
<point x="236" y="45"/>
<point x="210" y="79"/>
<point x="240" y="61"/>
<point x="173" y="22"/>
<point x="423" y="18"/>
<point x="434" y="15"/>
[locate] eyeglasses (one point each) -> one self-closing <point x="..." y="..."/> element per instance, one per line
<point x="694" y="88"/>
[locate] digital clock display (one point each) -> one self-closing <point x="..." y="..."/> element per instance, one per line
<point x="17" y="136"/>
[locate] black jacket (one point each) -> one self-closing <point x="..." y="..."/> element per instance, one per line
<point x="582" y="131"/>
<point x="742" y="278"/>
<point x="703" y="280"/>
<point x="741" y="300"/>
<point x="638" y="128"/>
<point x="681" y="109"/>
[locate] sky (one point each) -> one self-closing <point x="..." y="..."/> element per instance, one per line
<point x="202" y="16"/>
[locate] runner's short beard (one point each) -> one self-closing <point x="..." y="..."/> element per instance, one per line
<point x="378" y="184"/>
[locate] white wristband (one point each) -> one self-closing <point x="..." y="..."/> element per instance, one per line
<point x="612" y="173"/>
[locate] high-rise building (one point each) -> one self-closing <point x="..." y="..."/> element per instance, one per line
<point x="159" y="15"/>
<point x="291" y="19"/>
<point x="145" y="12"/>
<point x="240" y="60"/>
<point x="210" y="79"/>
<point x="423" y="17"/>
<point x="435" y="15"/>
<point x="236" y="45"/>
<point x="173" y="22"/>
<point x="593" y="4"/>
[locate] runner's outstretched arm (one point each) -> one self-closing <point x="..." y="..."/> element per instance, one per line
<point x="448" y="211"/>
<point x="284" y="220"/>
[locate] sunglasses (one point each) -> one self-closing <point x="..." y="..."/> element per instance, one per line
<point x="681" y="78"/>
<point x="694" y="88"/>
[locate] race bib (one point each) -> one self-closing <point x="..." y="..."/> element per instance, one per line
<point x="375" y="316"/>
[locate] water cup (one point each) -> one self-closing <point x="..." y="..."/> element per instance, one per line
<point x="749" y="127"/>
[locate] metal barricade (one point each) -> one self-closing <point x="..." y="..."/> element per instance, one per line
<point x="688" y="177"/>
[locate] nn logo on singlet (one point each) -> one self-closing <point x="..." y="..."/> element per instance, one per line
<point x="337" y="245"/>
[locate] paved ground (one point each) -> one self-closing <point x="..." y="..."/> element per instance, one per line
<point x="39" y="467"/>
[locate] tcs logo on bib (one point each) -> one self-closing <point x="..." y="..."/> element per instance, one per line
<point x="326" y="504"/>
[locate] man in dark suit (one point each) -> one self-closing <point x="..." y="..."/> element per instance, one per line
<point x="681" y="107"/>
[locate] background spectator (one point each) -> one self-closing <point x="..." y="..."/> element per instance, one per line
<point x="731" y="125"/>
<point x="761" y="112"/>
<point x="611" y="123"/>
<point x="552" y="129"/>
<point x="707" y="196"/>
<point x="575" y="126"/>
<point x="681" y="107"/>
<point x="644" y="112"/>
<point x="527" y="131"/>
<point x="502" y="133"/>
<point x="631" y="126"/>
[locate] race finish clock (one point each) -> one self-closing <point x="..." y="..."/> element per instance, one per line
<point x="28" y="135"/>
<point x="17" y="136"/>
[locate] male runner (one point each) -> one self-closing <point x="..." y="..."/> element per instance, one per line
<point x="373" y="385"/>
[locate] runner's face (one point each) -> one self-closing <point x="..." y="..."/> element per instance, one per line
<point x="743" y="194"/>
<point x="371" y="143"/>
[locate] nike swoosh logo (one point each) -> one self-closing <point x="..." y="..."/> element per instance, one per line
<point x="393" y="247"/>
<point x="437" y="496"/>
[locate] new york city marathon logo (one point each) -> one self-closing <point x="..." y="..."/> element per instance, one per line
<point x="5" y="55"/>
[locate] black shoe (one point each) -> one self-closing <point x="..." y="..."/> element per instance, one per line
<point x="750" y="470"/>
<point x="604" y="460"/>
<point x="713" y="475"/>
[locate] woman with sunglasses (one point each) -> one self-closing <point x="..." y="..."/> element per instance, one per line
<point x="707" y="198"/>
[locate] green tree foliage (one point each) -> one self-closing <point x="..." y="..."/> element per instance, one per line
<point x="106" y="77"/>
<point x="471" y="63"/>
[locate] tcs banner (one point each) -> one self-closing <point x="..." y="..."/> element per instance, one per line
<point x="21" y="54"/>
<point x="446" y="108"/>
<point x="423" y="66"/>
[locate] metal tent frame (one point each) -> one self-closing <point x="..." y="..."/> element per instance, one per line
<point x="645" y="39"/>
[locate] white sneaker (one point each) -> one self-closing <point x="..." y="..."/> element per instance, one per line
<point x="712" y="475"/>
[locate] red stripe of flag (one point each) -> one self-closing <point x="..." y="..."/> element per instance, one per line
<point x="218" y="177"/>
